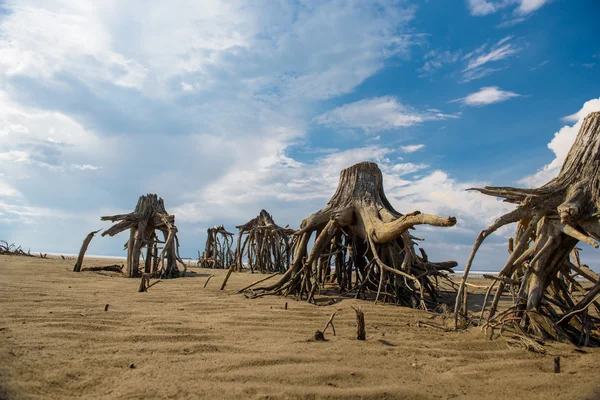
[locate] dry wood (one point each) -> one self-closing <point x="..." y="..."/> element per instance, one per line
<point x="148" y="217"/>
<point x="13" y="250"/>
<point x="217" y="251"/>
<point x="330" y="322"/>
<point x="84" y="246"/>
<point x="109" y="268"/>
<point x="361" y="333"/>
<point x="551" y="220"/>
<point x="266" y="246"/>
<point x="362" y="244"/>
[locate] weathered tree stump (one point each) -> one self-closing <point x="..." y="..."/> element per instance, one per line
<point x="217" y="251"/>
<point x="149" y="215"/>
<point x="266" y="246"/>
<point x="551" y="220"/>
<point x="362" y="244"/>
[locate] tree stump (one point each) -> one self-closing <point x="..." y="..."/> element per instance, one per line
<point x="217" y="251"/>
<point x="149" y="215"/>
<point x="551" y="220"/>
<point x="362" y="244"/>
<point x="266" y="246"/>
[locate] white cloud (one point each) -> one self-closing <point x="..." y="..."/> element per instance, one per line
<point x="479" y="59"/>
<point x="378" y="114"/>
<point x="436" y="59"/>
<point x="412" y="148"/>
<point x="486" y="7"/>
<point x="560" y="145"/>
<point x="487" y="95"/>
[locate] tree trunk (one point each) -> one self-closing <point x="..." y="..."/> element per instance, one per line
<point x="84" y="246"/>
<point x="149" y="215"/>
<point x="551" y="220"/>
<point x="360" y="213"/>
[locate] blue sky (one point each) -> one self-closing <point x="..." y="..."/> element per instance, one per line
<point x="224" y="108"/>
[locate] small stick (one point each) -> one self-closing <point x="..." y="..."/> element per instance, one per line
<point x="206" y="283"/>
<point x="557" y="364"/>
<point x="285" y="307"/>
<point x="106" y="307"/>
<point x="255" y="283"/>
<point x="330" y="322"/>
<point x="361" y="333"/>
<point x="226" y="278"/>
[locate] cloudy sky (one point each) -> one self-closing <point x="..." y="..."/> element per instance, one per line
<point x="227" y="107"/>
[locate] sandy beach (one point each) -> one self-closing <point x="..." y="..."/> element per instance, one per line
<point x="183" y="341"/>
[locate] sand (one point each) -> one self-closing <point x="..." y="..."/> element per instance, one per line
<point x="187" y="342"/>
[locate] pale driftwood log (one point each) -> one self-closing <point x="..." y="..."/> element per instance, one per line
<point x="217" y="251"/>
<point x="84" y="246"/>
<point x="362" y="244"/>
<point x="149" y="216"/>
<point x="551" y="220"/>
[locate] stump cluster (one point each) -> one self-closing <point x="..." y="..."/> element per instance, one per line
<point x="265" y="245"/>
<point x="550" y="294"/>
<point x="217" y="251"/>
<point x="148" y="217"/>
<point x="362" y="245"/>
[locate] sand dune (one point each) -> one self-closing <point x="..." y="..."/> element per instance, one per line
<point x="187" y="342"/>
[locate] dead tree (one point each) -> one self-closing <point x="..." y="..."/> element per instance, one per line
<point x="217" y="252"/>
<point x="265" y="245"/>
<point x="362" y="244"/>
<point x="551" y="220"/>
<point x="149" y="216"/>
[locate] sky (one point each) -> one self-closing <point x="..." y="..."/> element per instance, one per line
<point x="224" y="108"/>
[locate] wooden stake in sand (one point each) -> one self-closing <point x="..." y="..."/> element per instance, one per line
<point x="361" y="333"/>
<point x="82" y="250"/>
<point x="551" y="221"/>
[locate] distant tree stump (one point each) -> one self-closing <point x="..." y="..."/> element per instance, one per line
<point x="217" y="251"/>
<point x="362" y="245"/>
<point x="551" y="220"/>
<point x="149" y="215"/>
<point x="266" y="246"/>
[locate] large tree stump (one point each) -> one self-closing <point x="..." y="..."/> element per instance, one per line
<point x="265" y="245"/>
<point x="362" y="244"/>
<point x="149" y="215"/>
<point x="551" y="220"/>
<point x="217" y="251"/>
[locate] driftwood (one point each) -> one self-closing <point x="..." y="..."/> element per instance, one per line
<point x="84" y="246"/>
<point x="547" y="300"/>
<point x="149" y="215"/>
<point x="13" y="250"/>
<point x="109" y="268"/>
<point x="362" y="245"/>
<point x="361" y="332"/>
<point x="217" y="251"/>
<point x="266" y="246"/>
